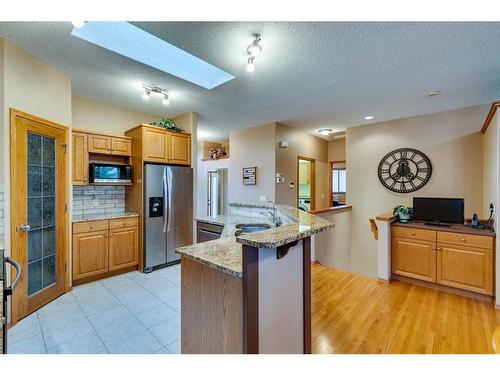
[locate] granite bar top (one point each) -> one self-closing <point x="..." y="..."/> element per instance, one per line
<point x="225" y="253"/>
<point x="115" y="215"/>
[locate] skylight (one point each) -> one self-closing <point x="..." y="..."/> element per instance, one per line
<point x="130" y="41"/>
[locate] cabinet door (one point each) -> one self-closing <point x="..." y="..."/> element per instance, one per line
<point x="155" y="145"/>
<point x="414" y="258"/>
<point x="80" y="159"/>
<point x="465" y="267"/>
<point x="123" y="248"/>
<point x="99" y="144"/>
<point x="90" y="254"/>
<point x="121" y="146"/>
<point x="179" y="146"/>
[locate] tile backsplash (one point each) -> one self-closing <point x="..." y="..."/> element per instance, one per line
<point x="98" y="200"/>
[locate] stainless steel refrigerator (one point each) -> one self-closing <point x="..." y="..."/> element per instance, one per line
<point x="168" y="220"/>
<point x="217" y="192"/>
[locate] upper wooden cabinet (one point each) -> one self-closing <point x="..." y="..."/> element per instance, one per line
<point x="109" y="145"/>
<point x="161" y="146"/>
<point x="80" y="159"/>
<point x="91" y="147"/>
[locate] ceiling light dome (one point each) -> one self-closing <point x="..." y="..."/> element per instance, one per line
<point x="325" y="131"/>
<point x="78" y="24"/>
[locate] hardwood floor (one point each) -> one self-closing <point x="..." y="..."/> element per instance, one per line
<point x="357" y="314"/>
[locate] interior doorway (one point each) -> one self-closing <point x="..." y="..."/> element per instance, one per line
<point x="39" y="211"/>
<point x="306" y="189"/>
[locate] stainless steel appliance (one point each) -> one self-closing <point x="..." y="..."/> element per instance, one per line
<point x="168" y="220"/>
<point x="207" y="232"/>
<point x="110" y="173"/>
<point x="217" y="192"/>
<point x="6" y="291"/>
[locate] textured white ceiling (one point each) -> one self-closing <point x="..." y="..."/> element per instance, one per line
<point x="310" y="75"/>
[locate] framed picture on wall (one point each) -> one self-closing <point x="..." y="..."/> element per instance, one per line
<point x="250" y="176"/>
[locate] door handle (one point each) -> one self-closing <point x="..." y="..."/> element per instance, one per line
<point x="164" y="183"/>
<point x="9" y="290"/>
<point x="169" y="192"/>
<point x="24" y="228"/>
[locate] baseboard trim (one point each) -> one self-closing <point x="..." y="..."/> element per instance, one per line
<point x="383" y="281"/>
<point x="448" y="289"/>
<point x="103" y="276"/>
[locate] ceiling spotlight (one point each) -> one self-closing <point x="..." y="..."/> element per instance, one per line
<point x="165" y="100"/>
<point x="325" y="131"/>
<point x="255" y="48"/>
<point x="433" y="93"/>
<point x="146" y="94"/>
<point x="369" y="117"/>
<point x="78" y="24"/>
<point x="251" y="64"/>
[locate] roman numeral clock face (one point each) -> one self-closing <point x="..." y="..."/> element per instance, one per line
<point x="404" y="170"/>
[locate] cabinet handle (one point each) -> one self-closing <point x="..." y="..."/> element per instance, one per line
<point x="433" y="247"/>
<point x="91" y="226"/>
<point x="84" y="180"/>
<point x="462" y="239"/>
<point x="438" y="248"/>
<point x="412" y="233"/>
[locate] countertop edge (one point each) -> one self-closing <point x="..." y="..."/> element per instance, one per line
<point x="210" y="264"/>
<point x="104" y="217"/>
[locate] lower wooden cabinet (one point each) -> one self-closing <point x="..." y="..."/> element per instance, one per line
<point x="414" y="258"/>
<point x="90" y="254"/>
<point x="465" y="267"/>
<point x="458" y="260"/>
<point x="102" y="251"/>
<point x="123" y="244"/>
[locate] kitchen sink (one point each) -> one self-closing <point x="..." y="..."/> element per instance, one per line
<point x="250" y="228"/>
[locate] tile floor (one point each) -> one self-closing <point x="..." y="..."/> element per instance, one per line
<point x="133" y="313"/>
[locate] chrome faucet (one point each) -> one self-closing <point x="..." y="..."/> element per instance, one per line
<point x="272" y="215"/>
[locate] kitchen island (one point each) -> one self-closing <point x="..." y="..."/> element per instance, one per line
<point x="250" y="293"/>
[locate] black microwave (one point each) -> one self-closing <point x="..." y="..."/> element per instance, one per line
<point x="102" y="173"/>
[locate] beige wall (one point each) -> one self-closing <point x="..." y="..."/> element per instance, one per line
<point x="336" y="150"/>
<point x="454" y="146"/>
<point x="252" y="147"/>
<point x="300" y="144"/>
<point x="91" y="115"/>
<point x="490" y="167"/>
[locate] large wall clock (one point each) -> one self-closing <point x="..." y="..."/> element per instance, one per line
<point x="404" y="170"/>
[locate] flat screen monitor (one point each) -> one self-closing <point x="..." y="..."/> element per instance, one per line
<point x="439" y="210"/>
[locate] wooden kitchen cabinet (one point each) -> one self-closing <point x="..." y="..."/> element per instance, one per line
<point x="99" y="144"/>
<point x="90" y="254"/>
<point x="155" y="145"/>
<point x="80" y="158"/>
<point x="451" y="258"/>
<point x="179" y="146"/>
<point x="414" y="258"/>
<point x="121" y="146"/>
<point x="465" y="267"/>
<point x="123" y="245"/>
<point x="101" y="252"/>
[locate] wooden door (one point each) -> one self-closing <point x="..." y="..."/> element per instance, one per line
<point x="179" y="146"/>
<point x="123" y="248"/>
<point x="80" y="159"/>
<point x="121" y="146"/>
<point x="90" y="254"/>
<point x="39" y="217"/>
<point x="99" y="144"/>
<point x="155" y="145"/>
<point x="414" y="258"/>
<point x="465" y="267"/>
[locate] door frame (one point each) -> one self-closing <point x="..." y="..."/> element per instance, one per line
<point x="62" y="213"/>
<point x="313" y="181"/>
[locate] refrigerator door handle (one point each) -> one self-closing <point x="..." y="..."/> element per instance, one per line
<point x="169" y="195"/>
<point x="164" y="185"/>
<point x="9" y="290"/>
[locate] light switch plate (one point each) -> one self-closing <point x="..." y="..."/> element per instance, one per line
<point x="262" y="198"/>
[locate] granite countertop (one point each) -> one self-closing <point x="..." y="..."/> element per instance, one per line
<point x="225" y="253"/>
<point x="115" y="215"/>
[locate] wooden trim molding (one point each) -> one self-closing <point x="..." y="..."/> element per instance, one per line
<point x="490" y="115"/>
<point x="335" y="209"/>
<point x="250" y="299"/>
<point x="386" y="217"/>
<point x="306" y="293"/>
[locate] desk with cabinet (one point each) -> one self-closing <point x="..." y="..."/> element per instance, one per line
<point x="455" y="256"/>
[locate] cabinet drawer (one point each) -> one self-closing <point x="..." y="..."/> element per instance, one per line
<point x="123" y="223"/>
<point x="90" y="226"/>
<point x="465" y="239"/>
<point x="419" y="234"/>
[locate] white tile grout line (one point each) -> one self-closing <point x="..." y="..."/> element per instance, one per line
<point x="41" y="332"/>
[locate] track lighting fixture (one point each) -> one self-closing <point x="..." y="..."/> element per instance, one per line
<point x="158" y="90"/>
<point x="253" y="50"/>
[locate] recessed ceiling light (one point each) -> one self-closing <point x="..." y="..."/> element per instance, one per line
<point x="130" y="41"/>
<point x="369" y="117"/>
<point x="433" y="93"/>
<point x="325" y="131"/>
<point x="78" y="24"/>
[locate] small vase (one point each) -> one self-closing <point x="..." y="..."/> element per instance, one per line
<point x="404" y="218"/>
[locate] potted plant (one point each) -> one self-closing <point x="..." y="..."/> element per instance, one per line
<point x="403" y="212"/>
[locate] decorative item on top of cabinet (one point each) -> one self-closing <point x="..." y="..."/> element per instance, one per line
<point x="104" y="248"/>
